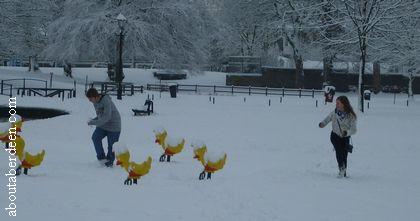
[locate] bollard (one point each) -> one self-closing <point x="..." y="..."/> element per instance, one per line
<point x="213" y="100"/>
<point x="395" y="97"/>
<point x="153" y="97"/>
<point x="368" y="105"/>
<point x="148" y="96"/>
<point x="269" y="102"/>
<point x="281" y="99"/>
<point x="210" y="99"/>
<point x="244" y="99"/>
<point x="316" y="103"/>
<point x="407" y="103"/>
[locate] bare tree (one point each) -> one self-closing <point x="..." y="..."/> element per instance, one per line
<point x="173" y="34"/>
<point x="292" y="16"/>
<point x="368" y="18"/>
<point x="401" y="45"/>
<point x="25" y="22"/>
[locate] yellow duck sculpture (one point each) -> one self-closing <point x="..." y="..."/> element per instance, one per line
<point x="18" y="123"/>
<point x="170" y="146"/>
<point x="27" y="160"/>
<point x="4" y="133"/>
<point x="135" y="171"/>
<point x="7" y="129"/>
<point x="210" y="165"/>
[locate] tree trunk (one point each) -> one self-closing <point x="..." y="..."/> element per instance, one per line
<point x="32" y="64"/>
<point x="361" y="75"/>
<point x="133" y="59"/>
<point x="299" y="71"/>
<point x="280" y="46"/>
<point x="410" y="85"/>
<point x="376" y="77"/>
<point x="328" y="65"/>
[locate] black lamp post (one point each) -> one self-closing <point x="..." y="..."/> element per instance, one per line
<point x="119" y="67"/>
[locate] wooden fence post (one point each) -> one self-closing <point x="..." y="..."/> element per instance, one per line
<point x="51" y="75"/>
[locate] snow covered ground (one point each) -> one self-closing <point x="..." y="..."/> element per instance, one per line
<point x="280" y="165"/>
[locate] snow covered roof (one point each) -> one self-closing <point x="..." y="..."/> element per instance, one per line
<point x="348" y="67"/>
<point x="245" y="74"/>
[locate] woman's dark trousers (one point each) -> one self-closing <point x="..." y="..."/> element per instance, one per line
<point x="340" y="144"/>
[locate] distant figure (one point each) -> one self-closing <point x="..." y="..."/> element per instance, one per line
<point x="107" y="122"/>
<point x="67" y="70"/>
<point x="111" y="72"/>
<point x="343" y="126"/>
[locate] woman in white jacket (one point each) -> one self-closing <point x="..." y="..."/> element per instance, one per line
<point x="344" y="122"/>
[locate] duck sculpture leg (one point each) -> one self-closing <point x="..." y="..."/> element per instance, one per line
<point x="19" y="170"/>
<point x="128" y="181"/>
<point x="162" y="158"/>
<point x="202" y="175"/>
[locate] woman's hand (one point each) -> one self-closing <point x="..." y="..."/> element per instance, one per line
<point x="321" y="125"/>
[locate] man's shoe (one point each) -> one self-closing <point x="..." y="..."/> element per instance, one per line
<point x="109" y="164"/>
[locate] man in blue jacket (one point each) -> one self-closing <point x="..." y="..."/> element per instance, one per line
<point x="107" y="122"/>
